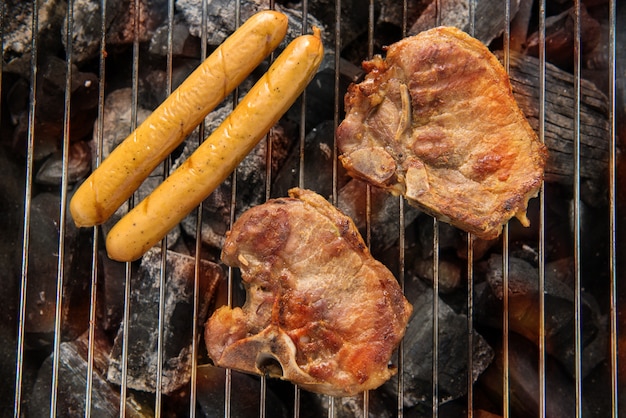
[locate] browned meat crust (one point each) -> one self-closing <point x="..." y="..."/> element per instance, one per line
<point x="317" y="302"/>
<point x="436" y="122"/>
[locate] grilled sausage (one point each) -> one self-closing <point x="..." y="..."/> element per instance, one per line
<point x="220" y="153"/>
<point x="119" y="175"/>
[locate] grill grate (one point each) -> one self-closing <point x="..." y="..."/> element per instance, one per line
<point x="21" y="379"/>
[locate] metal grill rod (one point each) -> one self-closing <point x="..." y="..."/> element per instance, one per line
<point x="62" y="213"/>
<point x="93" y="296"/>
<point x="613" y="312"/>
<point x="542" y="229"/>
<point x="542" y="234"/>
<point x="577" y="213"/>
<point x="28" y="192"/>
<point x="195" y="343"/>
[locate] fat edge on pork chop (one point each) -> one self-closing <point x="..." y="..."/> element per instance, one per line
<point x="436" y="122"/>
<point x="320" y="311"/>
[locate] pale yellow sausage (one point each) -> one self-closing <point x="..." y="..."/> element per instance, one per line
<point x="119" y="175"/>
<point x="220" y="153"/>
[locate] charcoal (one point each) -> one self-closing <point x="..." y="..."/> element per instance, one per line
<point x="449" y="270"/>
<point x="78" y="166"/>
<point x="559" y="314"/>
<point x="449" y="237"/>
<point x="112" y="293"/>
<point x="384" y="213"/>
<point x="353" y="21"/>
<point x="489" y="23"/>
<point x="177" y="321"/>
<point x="183" y="43"/>
<point x="71" y="390"/>
<point x="120" y="16"/>
<point x="245" y="397"/>
<point x="12" y="209"/>
<point x="49" y="110"/>
<point x="560" y="36"/>
<point x="598" y="58"/>
<point x="318" y="164"/>
<point x="379" y="405"/>
<point x="86" y="26"/>
<point x="42" y="272"/>
<point x="220" y="21"/>
<point x="520" y="26"/>
<point x="452" y="349"/>
<point x="392" y="13"/>
<point x="17" y="33"/>
<point x="523" y="378"/>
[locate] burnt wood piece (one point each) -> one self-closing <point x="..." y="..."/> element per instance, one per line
<point x="560" y="109"/>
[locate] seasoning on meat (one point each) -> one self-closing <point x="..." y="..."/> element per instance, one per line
<point x="320" y="310"/>
<point x="436" y="122"/>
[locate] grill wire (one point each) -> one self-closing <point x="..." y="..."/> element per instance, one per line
<point x="18" y="382"/>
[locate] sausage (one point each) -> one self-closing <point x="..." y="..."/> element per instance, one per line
<point x="119" y="175"/>
<point x="220" y="153"/>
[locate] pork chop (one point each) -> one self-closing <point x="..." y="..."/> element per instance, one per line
<point x="319" y="311"/>
<point x="436" y="122"/>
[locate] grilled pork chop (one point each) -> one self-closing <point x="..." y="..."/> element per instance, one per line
<point x="320" y="311"/>
<point x="436" y="122"/>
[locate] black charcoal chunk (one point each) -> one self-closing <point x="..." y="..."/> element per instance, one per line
<point x="221" y="22"/>
<point x="490" y="17"/>
<point x="43" y="264"/>
<point x="383" y="214"/>
<point x="317" y="170"/>
<point x="245" y="395"/>
<point x="72" y="383"/>
<point x="86" y="27"/>
<point x="183" y="43"/>
<point x="78" y="166"/>
<point x="177" y="321"/>
<point x="559" y="304"/>
<point x="449" y="273"/>
<point x="87" y="24"/>
<point x="524" y="389"/>
<point x="12" y="209"/>
<point x="17" y="29"/>
<point x="50" y="108"/>
<point x="452" y="351"/>
<point x="380" y="404"/>
<point x="111" y="297"/>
